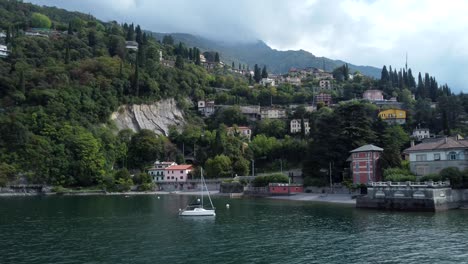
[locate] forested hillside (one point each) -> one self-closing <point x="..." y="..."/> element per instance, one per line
<point x="258" y="52"/>
<point x="67" y="72"/>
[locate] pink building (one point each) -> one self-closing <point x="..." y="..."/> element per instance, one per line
<point x="157" y="171"/>
<point x="324" y="98"/>
<point x="365" y="164"/>
<point x="373" y="95"/>
<point x="177" y="173"/>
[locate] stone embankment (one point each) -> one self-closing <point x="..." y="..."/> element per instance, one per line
<point x="157" y="117"/>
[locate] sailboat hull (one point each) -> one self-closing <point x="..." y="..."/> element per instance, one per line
<point x="197" y="212"/>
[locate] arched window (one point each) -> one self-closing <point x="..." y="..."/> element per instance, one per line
<point x="452" y="155"/>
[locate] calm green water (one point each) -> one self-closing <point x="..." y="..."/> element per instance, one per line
<point x="144" y="229"/>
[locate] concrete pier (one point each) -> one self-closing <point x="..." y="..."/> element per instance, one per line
<point x="412" y="196"/>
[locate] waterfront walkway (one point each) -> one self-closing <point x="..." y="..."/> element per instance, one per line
<point x="318" y="197"/>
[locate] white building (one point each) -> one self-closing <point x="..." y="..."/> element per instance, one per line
<point x="433" y="155"/>
<point x="293" y="80"/>
<point x="295" y="126"/>
<point x="133" y="45"/>
<point x="325" y="84"/>
<point x="157" y="172"/>
<point x="206" y="108"/>
<point x="421" y="133"/>
<point x="272" y="113"/>
<point x="267" y="82"/>
<point x="3" y="51"/>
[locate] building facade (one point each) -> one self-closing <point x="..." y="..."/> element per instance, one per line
<point x="421" y="133"/>
<point x="206" y="108"/>
<point x="157" y="172"/>
<point x="325" y="84"/>
<point x="272" y="113"/>
<point x="242" y="130"/>
<point x="177" y="173"/>
<point x="324" y="98"/>
<point x="373" y="95"/>
<point x="435" y="154"/>
<point x="393" y="116"/>
<point x="295" y="126"/>
<point x="365" y="164"/>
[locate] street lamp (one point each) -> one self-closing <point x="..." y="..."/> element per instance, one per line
<point x="253" y="167"/>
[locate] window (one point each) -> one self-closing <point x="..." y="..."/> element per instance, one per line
<point x="181" y="171"/>
<point x="436" y="156"/>
<point x="357" y="166"/>
<point x="172" y="177"/>
<point x="421" y="157"/>
<point x="452" y="155"/>
<point x="181" y="177"/>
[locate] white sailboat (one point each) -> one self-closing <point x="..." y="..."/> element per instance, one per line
<point x="198" y="209"/>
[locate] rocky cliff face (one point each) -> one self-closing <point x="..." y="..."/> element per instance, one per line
<point x="156" y="117"/>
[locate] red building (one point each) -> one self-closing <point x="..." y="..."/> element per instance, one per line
<point x="284" y="188"/>
<point x="365" y="164"/>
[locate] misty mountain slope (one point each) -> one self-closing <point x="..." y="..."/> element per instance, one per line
<point x="260" y="53"/>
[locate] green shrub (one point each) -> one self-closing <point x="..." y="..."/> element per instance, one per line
<point x="430" y="177"/>
<point x="398" y="175"/>
<point x="149" y="186"/>
<point x="262" y="181"/>
<point x="59" y="189"/>
<point x="124" y="185"/>
<point x="400" y="178"/>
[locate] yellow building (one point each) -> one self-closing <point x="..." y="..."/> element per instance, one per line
<point x="393" y="116"/>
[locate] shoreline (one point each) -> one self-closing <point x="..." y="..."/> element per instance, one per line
<point x="300" y="197"/>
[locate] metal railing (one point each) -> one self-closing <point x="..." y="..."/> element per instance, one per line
<point x="411" y="184"/>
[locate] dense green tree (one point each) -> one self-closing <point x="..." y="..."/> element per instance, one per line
<point x="218" y="167"/>
<point x="145" y="147"/>
<point x="39" y="20"/>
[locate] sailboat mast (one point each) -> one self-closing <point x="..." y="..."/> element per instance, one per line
<point x="201" y="185"/>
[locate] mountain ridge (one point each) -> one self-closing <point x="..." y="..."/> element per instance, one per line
<point x="258" y="52"/>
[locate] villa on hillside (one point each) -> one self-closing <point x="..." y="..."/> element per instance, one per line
<point x="272" y="113"/>
<point x="132" y="45"/>
<point x="3" y="51"/>
<point x="373" y="95"/>
<point x="267" y="82"/>
<point x="206" y="108"/>
<point x="242" y="130"/>
<point x="295" y="126"/>
<point x="393" y="116"/>
<point x="435" y="154"/>
<point x="421" y="133"/>
<point x="365" y="164"/>
<point x="324" y="98"/>
<point x="325" y="84"/>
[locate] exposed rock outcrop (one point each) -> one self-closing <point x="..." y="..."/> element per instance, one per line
<point x="156" y="117"/>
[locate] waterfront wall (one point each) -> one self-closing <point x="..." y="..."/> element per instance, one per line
<point x="430" y="196"/>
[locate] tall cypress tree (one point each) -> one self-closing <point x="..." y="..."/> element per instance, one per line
<point x="216" y="59"/>
<point x="384" y="76"/>
<point x="136" y="80"/>
<point x="264" y="72"/>
<point x="139" y="36"/>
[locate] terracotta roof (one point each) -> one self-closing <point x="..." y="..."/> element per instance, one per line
<point x="367" y="148"/>
<point x="439" y="144"/>
<point x="179" y="167"/>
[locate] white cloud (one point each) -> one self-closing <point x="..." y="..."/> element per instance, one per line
<point x="365" y="32"/>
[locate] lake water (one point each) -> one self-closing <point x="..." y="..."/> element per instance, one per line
<point x="144" y="229"/>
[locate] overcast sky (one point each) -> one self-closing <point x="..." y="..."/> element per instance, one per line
<point x="362" y="32"/>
